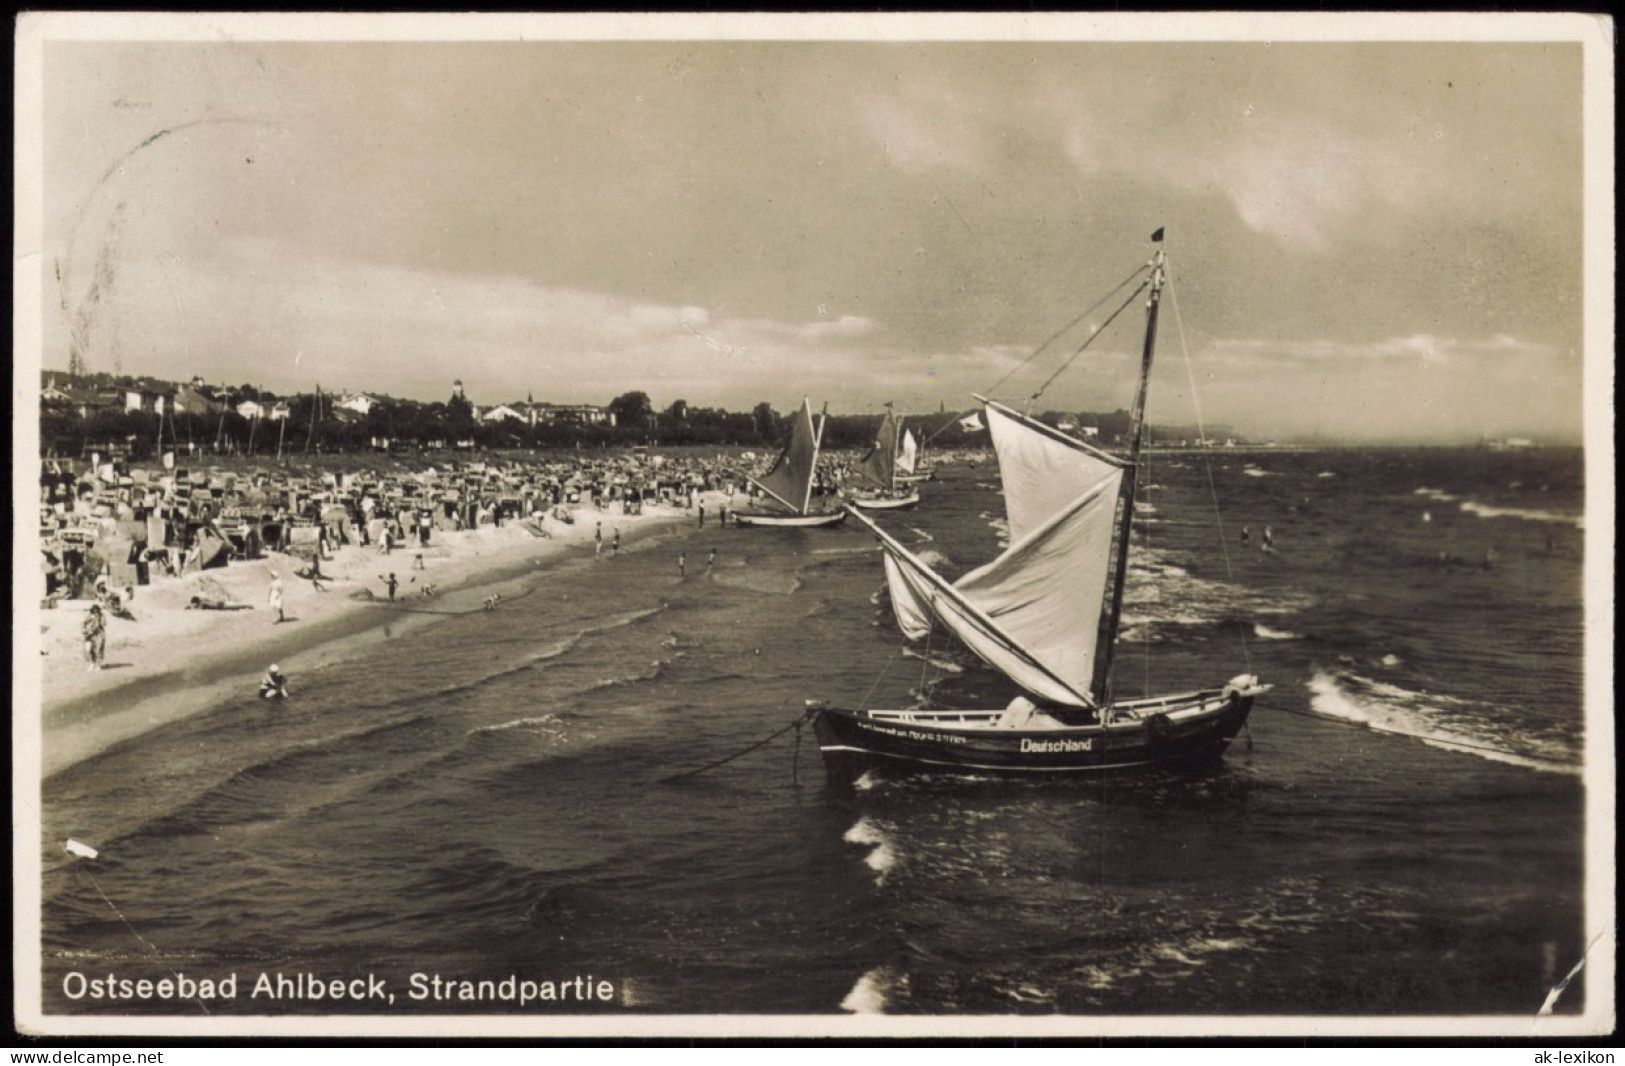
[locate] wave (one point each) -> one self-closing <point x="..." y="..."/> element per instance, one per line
<point x="655" y="671"/>
<point x="553" y="723"/>
<point x="1255" y="471"/>
<point x="1264" y="632"/>
<point x="1325" y="474"/>
<point x="1440" y="721"/>
<point x="772" y="582"/>
<point x="1000" y="526"/>
<point x="881" y="857"/>
<point x="1484" y="510"/>
<point x="1434" y="494"/>
<point x="868" y="996"/>
<point x="941" y="664"/>
<point x="925" y="538"/>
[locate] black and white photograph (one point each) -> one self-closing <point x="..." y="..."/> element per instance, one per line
<point x="1075" y="526"/>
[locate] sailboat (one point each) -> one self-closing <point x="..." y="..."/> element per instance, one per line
<point x="789" y="481"/>
<point x="881" y="467"/>
<point x="911" y="469"/>
<point x="1046" y="613"/>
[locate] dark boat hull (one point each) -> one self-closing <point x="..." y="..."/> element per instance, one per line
<point x="855" y="741"/>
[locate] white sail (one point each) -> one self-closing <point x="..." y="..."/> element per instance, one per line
<point x="1033" y="612"/>
<point x="908" y="454"/>
<point x="917" y="591"/>
<point x="1043" y="470"/>
<point x="1045" y="591"/>
<point x="913" y="612"/>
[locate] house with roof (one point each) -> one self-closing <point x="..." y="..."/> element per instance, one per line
<point x="359" y="402"/>
<point x="504" y="412"/>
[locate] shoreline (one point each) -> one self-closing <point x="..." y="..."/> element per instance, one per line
<point x="173" y="662"/>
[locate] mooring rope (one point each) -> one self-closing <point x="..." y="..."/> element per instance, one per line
<point x="797" y="724"/>
<point x="133" y="931"/>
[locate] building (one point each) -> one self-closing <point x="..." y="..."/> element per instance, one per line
<point x="580" y="413"/>
<point x="504" y="412"/>
<point x="360" y="403"/>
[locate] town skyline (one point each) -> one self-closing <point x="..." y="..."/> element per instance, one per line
<point x="1355" y="253"/>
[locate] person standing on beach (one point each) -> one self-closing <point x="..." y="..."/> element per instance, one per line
<point x="95" y="634"/>
<point x="598" y="539"/>
<point x="710" y="560"/>
<point x="702" y="515"/>
<point x="274" y="598"/>
<point x="615" y="545"/>
<point x="390" y="583"/>
<point x="682" y="565"/>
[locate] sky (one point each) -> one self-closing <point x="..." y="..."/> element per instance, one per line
<point x="1366" y="241"/>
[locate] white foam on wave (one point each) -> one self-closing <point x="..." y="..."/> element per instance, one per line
<point x="925" y="538"/>
<point x="1484" y="510"/>
<point x="551" y="721"/>
<point x="1000" y="526"/>
<point x="881" y="858"/>
<point x="1255" y="471"/>
<point x="1434" y="494"/>
<point x="1264" y="632"/>
<point x="941" y="664"/>
<point x="868" y="996"/>
<point x="1325" y="474"/>
<point x="1391" y="660"/>
<point x="1387" y="708"/>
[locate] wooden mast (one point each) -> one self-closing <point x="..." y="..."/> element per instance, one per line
<point x="1114" y="619"/>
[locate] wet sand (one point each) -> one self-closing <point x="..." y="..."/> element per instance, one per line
<point x="172" y="662"/>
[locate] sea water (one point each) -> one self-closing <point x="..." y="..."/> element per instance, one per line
<point x="482" y="798"/>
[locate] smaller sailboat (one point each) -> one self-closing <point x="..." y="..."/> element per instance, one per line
<point x="911" y="468"/>
<point x="881" y="469"/>
<point x="789" y="482"/>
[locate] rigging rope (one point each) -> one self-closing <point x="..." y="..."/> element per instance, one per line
<point x="1207" y="460"/>
<point x="1051" y="339"/>
<point x="1096" y="332"/>
<point x="1060" y="332"/>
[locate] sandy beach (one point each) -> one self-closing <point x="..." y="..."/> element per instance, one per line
<point x="172" y="661"/>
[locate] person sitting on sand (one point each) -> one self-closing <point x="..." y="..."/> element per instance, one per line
<point x="209" y="603"/>
<point x="273" y="686"/>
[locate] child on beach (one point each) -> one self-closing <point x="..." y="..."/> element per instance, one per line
<point x="95" y="634"/>
<point x="390" y="582"/>
<point x="274" y="597"/>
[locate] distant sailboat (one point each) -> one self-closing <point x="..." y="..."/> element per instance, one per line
<point x="882" y="467"/>
<point x="789" y="482"/>
<point x="911" y="468"/>
<point x="1045" y="613"/>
